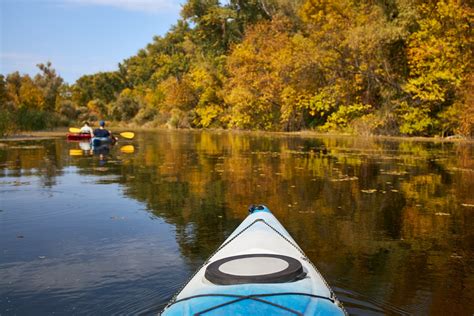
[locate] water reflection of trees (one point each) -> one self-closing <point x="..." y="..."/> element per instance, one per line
<point x="381" y="217"/>
<point x="368" y="212"/>
<point x="43" y="159"/>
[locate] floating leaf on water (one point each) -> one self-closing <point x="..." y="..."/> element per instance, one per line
<point x="442" y="214"/>
<point x="306" y="212"/>
<point x="462" y="169"/>
<point x="293" y="186"/>
<point x="117" y="217"/>
<point x="394" y="190"/>
<point x="345" y="178"/>
<point x="101" y="169"/>
<point x="27" y="147"/>
<point x="394" y="172"/>
<point x="467" y="205"/>
<point x="369" y="191"/>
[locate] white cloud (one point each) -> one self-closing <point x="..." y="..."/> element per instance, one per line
<point x="150" y="6"/>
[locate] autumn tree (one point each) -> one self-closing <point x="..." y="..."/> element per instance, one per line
<point x="362" y="46"/>
<point x="440" y="60"/>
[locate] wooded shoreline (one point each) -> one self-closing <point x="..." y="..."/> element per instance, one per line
<point x="61" y="133"/>
<point x="392" y="67"/>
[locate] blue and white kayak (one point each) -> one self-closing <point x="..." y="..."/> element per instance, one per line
<point x="258" y="270"/>
<point x="99" y="141"/>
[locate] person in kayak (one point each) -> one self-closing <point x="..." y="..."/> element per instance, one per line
<point x="86" y="129"/>
<point x="101" y="131"/>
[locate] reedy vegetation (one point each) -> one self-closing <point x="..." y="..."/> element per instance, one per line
<point x="396" y="67"/>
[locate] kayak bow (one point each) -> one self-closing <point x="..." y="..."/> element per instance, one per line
<point x="258" y="270"/>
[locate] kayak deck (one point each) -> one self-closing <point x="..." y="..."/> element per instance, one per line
<point x="78" y="136"/>
<point x="260" y="243"/>
<point x="99" y="141"/>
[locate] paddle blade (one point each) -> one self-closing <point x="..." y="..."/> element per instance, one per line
<point x="128" y="149"/>
<point x="128" y="135"/>
<point x="75" y="152"/>
<point x="74" y="130"/>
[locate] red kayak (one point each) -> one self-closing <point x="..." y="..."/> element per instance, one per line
<point x="78" y="136"/>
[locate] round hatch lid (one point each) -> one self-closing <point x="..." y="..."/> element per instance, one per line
<point x="254" y="268"/>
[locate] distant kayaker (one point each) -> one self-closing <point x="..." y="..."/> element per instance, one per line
<point x="101" y="131"/>
<point x="86" y="129"/>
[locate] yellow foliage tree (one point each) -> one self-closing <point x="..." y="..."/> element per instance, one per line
<point x="30" y="96"/>
<point x="440" y="51"/>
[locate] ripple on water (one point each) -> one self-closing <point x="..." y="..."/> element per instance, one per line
<point x="27" y="206"/>
<point x="357" y="304"/>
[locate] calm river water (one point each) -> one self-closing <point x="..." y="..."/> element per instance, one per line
<point x="390" y="224"/>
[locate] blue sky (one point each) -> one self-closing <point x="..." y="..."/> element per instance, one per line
<point x="79" y="36"/>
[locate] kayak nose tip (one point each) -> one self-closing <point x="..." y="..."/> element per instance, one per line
<point x="258" y="208"/>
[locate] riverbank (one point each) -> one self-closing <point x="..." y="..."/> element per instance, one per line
<point x="61" y="132"/>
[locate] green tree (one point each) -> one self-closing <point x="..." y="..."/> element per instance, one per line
<point x="50" y="84"/>
<point x="215" y="25"/>
<point x="103" y="86"/>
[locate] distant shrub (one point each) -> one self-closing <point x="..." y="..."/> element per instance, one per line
<point x="85" y="115"/>
<point x="125" y="108"/>
<point x="32" y="119"/>
<point x="145" y="115"/>
<point x="345" y="114"/>
<point x="179" y="119"/>
<point x="7" y="123"/>
<point x="67" y="109"/>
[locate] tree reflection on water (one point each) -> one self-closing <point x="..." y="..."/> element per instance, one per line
<point x="389" y="223"/>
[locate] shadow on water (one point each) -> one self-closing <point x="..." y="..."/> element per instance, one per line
<point x="388" y="223"/>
